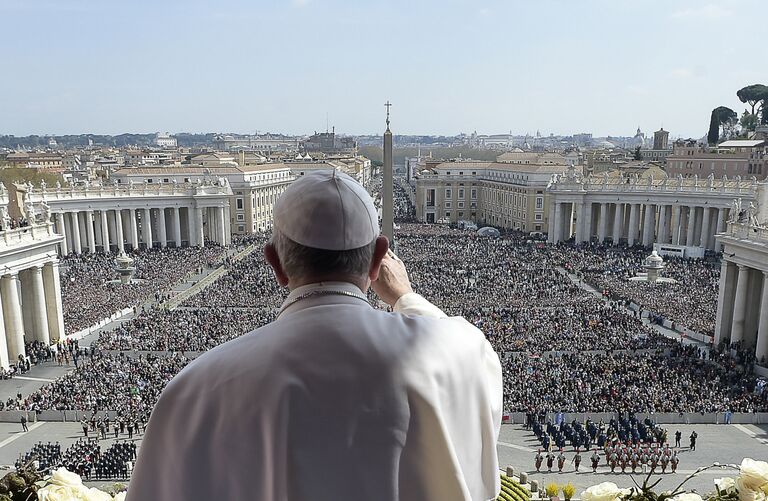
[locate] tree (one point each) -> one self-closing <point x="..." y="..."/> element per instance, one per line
<point x="637" y="155"/>
<point x="748" y="121"/>
<point x="755" y="96"/>
<point x="721" y="116"/>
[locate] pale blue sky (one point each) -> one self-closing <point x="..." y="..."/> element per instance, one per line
<point x="449" y="66"/>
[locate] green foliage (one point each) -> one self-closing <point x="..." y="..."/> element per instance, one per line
<point x="637" y="155"/>
<point x="512" y="491"/>
<point x="752" y="95"/>
<point x="748" y="121"/>
<point x="722" y="115"/>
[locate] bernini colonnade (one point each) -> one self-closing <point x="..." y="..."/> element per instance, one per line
<point x="30" y="286"/>
<point x="119" y="218"/>
<point x="677" y="212"/>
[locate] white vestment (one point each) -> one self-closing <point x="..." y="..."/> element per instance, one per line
<point x="333" y="401"/>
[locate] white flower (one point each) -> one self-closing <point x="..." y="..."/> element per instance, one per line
<point x="607" y="491"/>
<point x="53" y="492"/>
<point x="726" y="485"/>
<point x="747" y="494"/>
<point x="94" y="494"/>
<point x="65" y="478"/>
<point x="120" y="496"/>
<point x="754" y="475"/>
<point x="687" y="496"/>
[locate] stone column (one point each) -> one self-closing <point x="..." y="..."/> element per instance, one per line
<point x="54" y="309"/>
<point x="720" y="228"/>
<point x="723" y="320"/>
<point x="161" y="228"/>
<point x="648" y="225"/>
<point x="104" y="231"/>
<point x="740" y="304"/>
<point x="691" y="226"/>
<point x="14" y="328"/>
<point x="675" y="226"/>
<point x="134" y="229"/>
<point x="222" y="227"/>
<point x="603" y="222"/>
<point x="579" y="211"/>
<point x="89" y="231"/>
<point x="64" y="248"/>
<point x="39" y="312"/>
<point x="228" y="225"/>
<point x="663" y="233"/>
<point x="3" y="344"/>
<point x="761" y="350"/>
<point x="587" y="226"/>
<point x="146" y="227"/>
<point x="633" y="224"/>
<point x="119" y="231"/>
<point x="76" y="233"/>
<point x="617" y="218"/>
<point x="705" y="236"/>
<point x="177" y="226"/>
<point x="198" y="225"/>
<point x="558" y="230"/>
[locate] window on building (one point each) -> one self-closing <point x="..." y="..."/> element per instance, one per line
<point x="538" y="217"/>
<point x="447" y="193"/>
<point x="461" y="205"/>
<point x="447" y="205"/>
<point x="461" y="213"/>
<point x="240" y="228"/>
<point x="241" y="217"/>
<point x="539" y="202"/>
<point x="239" y="204"/>
<point x="461" y="192"/>
<point x="473" y="194"/>
<point x="448" y="215"/>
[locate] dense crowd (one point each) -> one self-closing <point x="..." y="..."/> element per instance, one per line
<point x="691" y="301"/>
<point x="90" y="292"/>
<point x="183" y="329"/>
<point x="102" y="381"/>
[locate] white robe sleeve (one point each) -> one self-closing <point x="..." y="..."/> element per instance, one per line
<point x="415" y="305"/>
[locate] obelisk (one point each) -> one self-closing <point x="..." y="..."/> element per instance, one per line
<point x="387" y="205"/>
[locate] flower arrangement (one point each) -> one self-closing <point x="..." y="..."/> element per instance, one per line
<point x="552" y="490"/>
<point x="568" y="491"/>
<point x="750" y="485"/>
<point x="26" y="484"/>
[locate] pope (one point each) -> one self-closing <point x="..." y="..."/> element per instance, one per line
<point x="334" y="400"/>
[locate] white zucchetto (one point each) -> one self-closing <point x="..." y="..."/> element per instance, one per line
<point x="327" y="210"/>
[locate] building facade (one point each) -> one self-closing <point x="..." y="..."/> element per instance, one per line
<point x="733" y="158"/>
<point x="742" y="306"/>
<point x="504" y="194"/>
<point x="30" y="286"/>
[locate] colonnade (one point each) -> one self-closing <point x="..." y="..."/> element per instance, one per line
<point x="118" y="230"/>
<point x="742" y="307"/>
<point x="31" y="310"/>
<point x="637" y="223"/>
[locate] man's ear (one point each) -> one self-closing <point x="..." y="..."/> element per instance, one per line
<point x="382" y="246"/>
<point x="270" y="254"/>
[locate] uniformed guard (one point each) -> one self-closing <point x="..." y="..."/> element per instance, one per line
<point x="673" y="461"/>
<point x="550" y="460"/>
<point x="614" y="461"/>
<point x="664" y="462"/>
<point x="539" y="459"/>
<point x="595" y="461"/>
<point x="560" y="461"/>
<point x="577" y="459"/>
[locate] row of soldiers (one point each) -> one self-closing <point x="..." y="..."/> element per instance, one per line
<point x="620" y="456"/>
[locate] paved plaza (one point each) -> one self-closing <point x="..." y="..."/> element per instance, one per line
<point x="716" y="443"/>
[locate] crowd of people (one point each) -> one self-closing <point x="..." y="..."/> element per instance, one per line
<point x="111" y="381"/>
<point x="90" y="291"/>
<point x="691" y="302"/>
<point x="182" y="329"/>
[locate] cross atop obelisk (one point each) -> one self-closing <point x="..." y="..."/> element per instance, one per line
<point x="387" y="203"/>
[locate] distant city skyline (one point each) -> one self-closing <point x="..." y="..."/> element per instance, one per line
<point x="84" y="66"/>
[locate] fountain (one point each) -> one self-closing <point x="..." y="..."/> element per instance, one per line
<point x="653" y="266"/>
<point x="124" y="267"/>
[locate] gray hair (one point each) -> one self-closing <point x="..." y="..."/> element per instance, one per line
<point x="300" y="261"/>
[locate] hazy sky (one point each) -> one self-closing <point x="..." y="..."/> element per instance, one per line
<point x="449" y="66"/>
